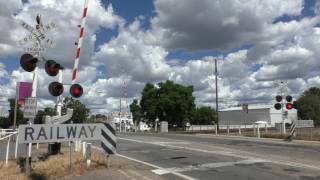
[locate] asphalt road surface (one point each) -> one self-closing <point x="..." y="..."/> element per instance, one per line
<point x="176" y="156"/>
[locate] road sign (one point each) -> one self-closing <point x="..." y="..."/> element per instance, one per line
<point x="30" y="108"/>
<point x="38" y="133"/>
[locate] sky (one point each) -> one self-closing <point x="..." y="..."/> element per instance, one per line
<point x="257" y="44"/>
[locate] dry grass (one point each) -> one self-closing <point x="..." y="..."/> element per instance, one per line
<point x="56" y="167"/>
<point x="11" y="171"/>
<point x="59" y="166"/>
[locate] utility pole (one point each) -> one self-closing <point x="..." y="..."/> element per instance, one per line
<point x="120" y="116"/>
<point x="217" y="106"/>
<point x="283" y="89"/>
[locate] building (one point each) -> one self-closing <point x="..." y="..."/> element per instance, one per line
<point x="267" y="113"/>
<point x="124" y="122"/>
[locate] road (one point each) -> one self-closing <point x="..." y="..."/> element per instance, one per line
<point x="177" y="156"/>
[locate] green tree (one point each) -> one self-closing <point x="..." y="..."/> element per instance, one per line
<point x="149" y="103"/>
<point x="4" y="122"/>
<point x="39" y="119"/>
<point x="136" y="111"/>
<point x="203" y="116"/>
<point x="80" y="111"/>
<point x="309" y="105"/>
<point x="20" y="119"/>
<point x="175" y="103"/>
<point x="170" y="102"/>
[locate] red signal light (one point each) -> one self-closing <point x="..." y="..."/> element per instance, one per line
<point x="52" y="68"/>
<point x="278" y="98"/>
<point x="289" y="106"/>
<point x="55" y="88"/>
<point x="76" y="90"/>
<point x="277" y="106"/>
<point x="28" y="62"/>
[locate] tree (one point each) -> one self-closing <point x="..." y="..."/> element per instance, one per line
<point x="4" y="122"/>
<point x="309" y="105"/>
<point x="170" y="102"/>
<point x="203" y="116"/>
<point x="149" y="103"/>
<point x="39" y="119"/>
<point x="80" y="111"/>
<point x="20" y="119"/>
<point x="175" y="103"/>
<point x="136" y="111"/>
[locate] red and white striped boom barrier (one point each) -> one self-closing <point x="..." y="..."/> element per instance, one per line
<point x="83" y="23"/>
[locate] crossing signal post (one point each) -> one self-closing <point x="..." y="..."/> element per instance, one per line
<point x="284" y="103"/>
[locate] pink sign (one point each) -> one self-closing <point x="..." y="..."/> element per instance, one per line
<point x="25" y="90"/>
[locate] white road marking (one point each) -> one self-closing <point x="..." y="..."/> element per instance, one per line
<point x="149" y="164"/>
<point x="206" y="166"/>
<point x="228" y="153"/>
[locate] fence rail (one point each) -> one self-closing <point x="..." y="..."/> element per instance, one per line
<point x="6" y="134"/>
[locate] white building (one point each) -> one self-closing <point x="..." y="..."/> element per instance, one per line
<point x="267" y="113"/>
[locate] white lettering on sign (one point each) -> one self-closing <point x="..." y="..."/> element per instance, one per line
<point x="58" y="132"/>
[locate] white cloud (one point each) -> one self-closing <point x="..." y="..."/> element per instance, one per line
<point x="280" y="51"/>
<point x="130" y="53"/>
<point x="222" y="24"/>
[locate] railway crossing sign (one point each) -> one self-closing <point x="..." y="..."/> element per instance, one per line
<point x="45" y="133"/>
<point x="37" y="35"/>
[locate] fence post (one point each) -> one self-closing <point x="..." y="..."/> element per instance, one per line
<point x="8" y="149"/>
<point x="88" y="155"/>
<point x="266" y="129"/>
<point x="258" y="130"/>
<point x="228" y="130"/>
<point x="216" y="129"/>
<point x="84" y="148"/>
<point x="16" y="148"/>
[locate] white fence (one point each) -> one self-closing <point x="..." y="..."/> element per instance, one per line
<point x="6" y="134"/>
<point x="224" y="127"/>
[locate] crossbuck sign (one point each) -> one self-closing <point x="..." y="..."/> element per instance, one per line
<point x="38" y="133"/>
